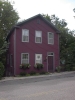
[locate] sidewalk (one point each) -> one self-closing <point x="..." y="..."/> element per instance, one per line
<point x="51" y="75"/>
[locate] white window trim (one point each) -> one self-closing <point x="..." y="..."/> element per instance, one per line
<point x="48" y="38"/>
<point x="22" y="35"/>
<point x="35" y="37"/>
<point x="49" y="53"/>
<point x="35" y="57"/>
<point x="21" y="57"/>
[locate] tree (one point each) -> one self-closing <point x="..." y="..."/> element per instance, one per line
<point x="66" y="40"/>
<point x="8" y="18"/>
<point x="47" y="17"/>
<point x="1" y="70"/>
<point x="74" y="9"/>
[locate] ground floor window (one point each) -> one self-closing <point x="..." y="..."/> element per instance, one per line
<point x="24" y="58"/>
<point x="38" y="58"/>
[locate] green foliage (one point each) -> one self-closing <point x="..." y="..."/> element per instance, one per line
<point x="66" y="41"/>
<point x="23" y="73"/>
<point x="74" y="10"/>
<point x="32" y="73"/>
<point x="43" y="72"/>
<point x="73" y="68"/>
<point x="1" y="69"/>
<point x="8" y="18"/>
<point x="47" y="17"/>
<point x="67" y="67"/>
<point x="39" y="66"/>
<point x="58" y="69"/>
<point x="24" y="66"/>
<point x="3" y="48"/>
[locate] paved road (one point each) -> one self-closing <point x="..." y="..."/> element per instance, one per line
<point x="41" y="89"/>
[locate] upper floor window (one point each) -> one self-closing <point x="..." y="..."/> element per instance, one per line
<point x="50" y="38"/>
<point x="24" y="58"/>
<point x="38" y="36"/>
<point x="25" y="35"/>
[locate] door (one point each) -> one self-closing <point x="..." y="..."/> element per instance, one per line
<point x="50" y="63"/>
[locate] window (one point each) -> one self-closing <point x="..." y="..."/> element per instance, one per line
<point x="25" y="35"/>
<point x="38" y="58"/>
<point x="24" y="58"/>
<point x="50" y="53"/>
<point x="38" y="37"/>
<point x="50" y="38"/>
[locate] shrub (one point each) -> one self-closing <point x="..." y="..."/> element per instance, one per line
<point x="1" y="69"/>
<point x="24" y="66"/>
<point x="32" y="73"/>
<point x="67" y="67"/>
<point x="58" y="69"/>
<point x="73" y="68"/>
<point x="39" y="66"/>
<point x="43" y="72"/>
<point x="22" y="73"/>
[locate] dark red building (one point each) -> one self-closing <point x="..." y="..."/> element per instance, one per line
<point x="33" y="41"/>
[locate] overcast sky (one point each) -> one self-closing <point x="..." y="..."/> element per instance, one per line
<point x="63" y="9"/>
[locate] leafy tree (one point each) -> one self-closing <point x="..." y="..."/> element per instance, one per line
<point x="8" y="18"/>
<point x="47" y="17"/>
<point x="1" y="70"/>
<point x="66" y="40"/>
<point x="74" y="9"/>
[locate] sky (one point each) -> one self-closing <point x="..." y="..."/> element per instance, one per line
<point x="63" y="9"/>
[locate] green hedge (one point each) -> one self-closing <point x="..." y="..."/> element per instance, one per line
<point x="1" y="70"/>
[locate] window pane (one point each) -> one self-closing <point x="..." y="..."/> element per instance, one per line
<point x="38" y="61"/>
<point x="25" y="35"/>
<point x="38" y="34"/>
<point x="25" y="56"/>
<point x="25" y="61"/>
<point x="38" y="39"/>
<point x="51" y="41"/>
<point x="50" y="38"/>
<point x="25" y="38"/>
<point x="50" y="35"/>
<point x="25" y="32"/>
<point x="38" y="58"/>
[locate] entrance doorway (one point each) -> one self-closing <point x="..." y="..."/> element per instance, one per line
<point x="50" y="62"/>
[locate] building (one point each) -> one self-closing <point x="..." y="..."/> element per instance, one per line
<point x="33" y="42"/>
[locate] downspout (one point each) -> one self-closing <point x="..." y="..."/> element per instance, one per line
<point x="15" y="52"/>
<point x="16" y="27"/>
<point x="59" y="47"/>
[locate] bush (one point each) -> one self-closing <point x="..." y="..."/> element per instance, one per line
<point x="73" y="68"/>
<point x="32" y="73"/>
<point x="67" y="67"/>
<point x="24" y="66"/>
<point x="22" y="73"/>
<point x="38" y="66"/>
<point x="58" y="69"/>
<point x="1" y="70"/>
<point x="43" y="72"/>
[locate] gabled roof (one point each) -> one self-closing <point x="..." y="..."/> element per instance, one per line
<point x="25" y="21"/>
